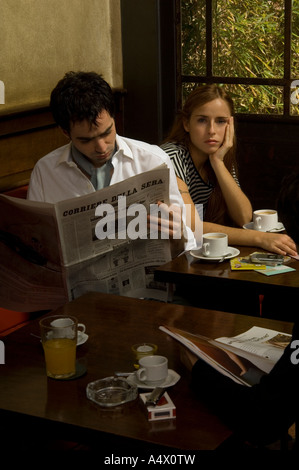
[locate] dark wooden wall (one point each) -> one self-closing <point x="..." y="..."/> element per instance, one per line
<point x="24" y="138"/>
<point x="267" y="151"/>
<point x="149" y="68"/>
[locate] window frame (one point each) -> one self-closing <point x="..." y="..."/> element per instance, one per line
<point x="284" y="82"/>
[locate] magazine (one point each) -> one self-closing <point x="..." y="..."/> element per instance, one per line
<point x="51" y="254"/>
<point x="244" y="358"/>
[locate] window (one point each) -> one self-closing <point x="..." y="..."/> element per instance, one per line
<point x="251" y="47"/>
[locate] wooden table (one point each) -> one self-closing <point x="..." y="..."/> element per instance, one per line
<point x="60" y="409"/>
<point x="214" y="285"/>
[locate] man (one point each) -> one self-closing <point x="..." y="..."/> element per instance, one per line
<point x="82" y="104"/>
<point x="263" y="413"/>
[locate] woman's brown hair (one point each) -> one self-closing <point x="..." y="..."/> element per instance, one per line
<point x="216" y="210"/>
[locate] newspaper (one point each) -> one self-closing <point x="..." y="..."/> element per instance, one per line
<point x="243" y="358"/>
<point x="50" y="253"/>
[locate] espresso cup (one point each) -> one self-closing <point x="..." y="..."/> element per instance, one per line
<point x="265" y="219"/>
<point x="214" y="244"/>
<point x="153" y="370"/>
<point x="61" y="326"/>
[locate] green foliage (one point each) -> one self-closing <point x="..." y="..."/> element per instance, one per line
<point x="248" y="41"/>
<point x="248" y="38"/>
<point x="193" y="37"/>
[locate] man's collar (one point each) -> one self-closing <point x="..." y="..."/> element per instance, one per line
<point x="122" y="146"/>
<point x="81" y="160"/>
<point x="66" y="155"/>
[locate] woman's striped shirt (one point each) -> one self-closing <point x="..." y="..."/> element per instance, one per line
<point x="199" y="190"/>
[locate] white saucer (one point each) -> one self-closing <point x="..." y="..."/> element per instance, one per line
<point x="172" y="378"/>
<point x="197" y="254"/>
<point x="81" y="338"/>
<point x="279" y="228"/>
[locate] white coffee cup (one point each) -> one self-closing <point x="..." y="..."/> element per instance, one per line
<point x="153" y="370"/>
<point x="214" y="244"/>
<point x="61" y="324"/>
<point x="265" y="219"/>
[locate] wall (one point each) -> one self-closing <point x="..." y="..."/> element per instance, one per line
<point x="40" y="41"/>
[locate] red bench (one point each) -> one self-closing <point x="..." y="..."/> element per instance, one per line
<point x="9" y="319"/>
<point x="20" y="192"/>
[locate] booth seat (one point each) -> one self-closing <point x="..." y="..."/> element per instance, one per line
<point x="20" y="192"/>
<point x="11" y="320"/>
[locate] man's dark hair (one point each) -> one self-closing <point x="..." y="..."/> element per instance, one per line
<point x="80" y="96"/>
<point x="288" y="205"/>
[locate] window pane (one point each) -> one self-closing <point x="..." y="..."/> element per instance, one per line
<point x="193" y="37"/>
<point x="295" y="41"/>
<point x="295" y="109"/>
<point x="295" y="59"/>
<point x="248" y="38"/>
<point x="257" y="99"/>
<point x="251" y="99"/>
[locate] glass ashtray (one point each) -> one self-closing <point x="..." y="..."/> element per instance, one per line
<point x="111" y="391"/>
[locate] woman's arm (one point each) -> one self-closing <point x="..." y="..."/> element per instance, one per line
<point x="274" y="242"/>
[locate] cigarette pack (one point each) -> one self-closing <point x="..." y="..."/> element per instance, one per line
<point x="164" y="409"/>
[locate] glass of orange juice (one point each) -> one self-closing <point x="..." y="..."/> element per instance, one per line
<point x="59" y="340"/>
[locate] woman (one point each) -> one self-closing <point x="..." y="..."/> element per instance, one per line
<point x="201" y="146"/>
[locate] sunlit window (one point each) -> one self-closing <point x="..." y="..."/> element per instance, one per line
<point x="250" y="46"/>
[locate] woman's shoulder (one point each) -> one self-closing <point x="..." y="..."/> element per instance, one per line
<point x="174" y="149"/>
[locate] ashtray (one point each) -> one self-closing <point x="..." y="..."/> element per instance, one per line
<point x="111" y="391"/>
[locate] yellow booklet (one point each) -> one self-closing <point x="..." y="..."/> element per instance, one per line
<point x="243" y="263"/>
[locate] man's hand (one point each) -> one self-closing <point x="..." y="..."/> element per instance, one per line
<point x="168" y="223"/>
